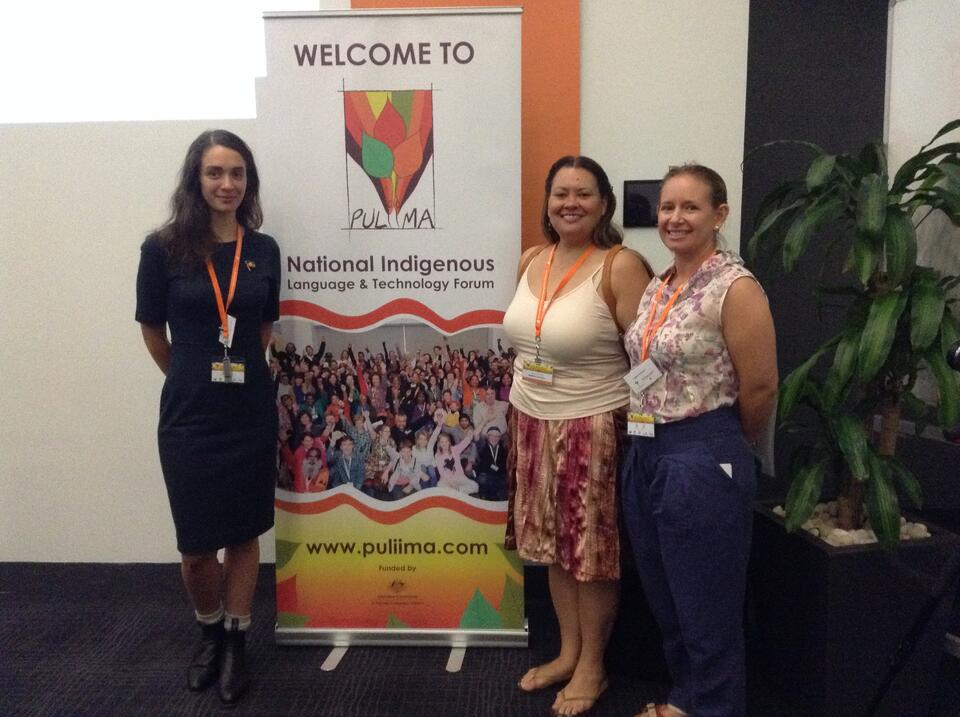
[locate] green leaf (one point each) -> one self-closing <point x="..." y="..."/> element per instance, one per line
<point x="793" y="142"/>
<point x="949" y="282"/>
<point x="948" y="411"/>
<point x="819" y="171"/>
<point x="946" y="129"/>
<point x="872" y="204"/>
<point x="825" y="209"/>
<point x="951" y="172"/>
<point x="793" y="385"/>
<point x="844" y="363"/>
<point x="776" y="198"/>
<point x="377" y="157"/>
<point x="767" y="224"/>
<point x="878" y="333"/>
<point x="882" y="503"/>
<point x="795" y="240"/>
<point x="900" y="245"/>
<point x="852" y="441"/>
<point x="907" y="173"/>
<point x="926" y="313"/>
<point x="946" y="201"/>
<point x="949" y="331"/>
<point x="873" y="158"/>
<point x="906" y="480"/>
<point x="915" y="410"/>
<point x="862" y="258"/>
<point x="804" y="492"/>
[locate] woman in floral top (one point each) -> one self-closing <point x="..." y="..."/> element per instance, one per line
<point x="703" y="382"/>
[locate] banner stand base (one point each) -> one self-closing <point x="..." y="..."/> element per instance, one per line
<point x="356" y="637"/>
<point x="455" y="661"/>
<point x="333" y="659"/>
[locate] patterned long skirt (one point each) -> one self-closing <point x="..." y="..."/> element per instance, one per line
<point x="563" y="499"/>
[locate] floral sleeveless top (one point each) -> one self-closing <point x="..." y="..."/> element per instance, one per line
<point x="698" y="375"/>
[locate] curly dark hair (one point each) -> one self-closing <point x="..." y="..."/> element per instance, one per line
<point x="187" y="235"/>
<point x="605" y="234"/>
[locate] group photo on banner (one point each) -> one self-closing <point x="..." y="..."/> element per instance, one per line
<point x="392" y="149"/>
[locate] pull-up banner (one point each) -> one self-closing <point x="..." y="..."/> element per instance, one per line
<point x="391" y="140"/>
<point x="389" y="152"/>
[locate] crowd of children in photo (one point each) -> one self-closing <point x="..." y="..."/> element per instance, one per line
<point x="390" y="424"/>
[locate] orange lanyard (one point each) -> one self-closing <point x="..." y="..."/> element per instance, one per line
<point x="221" y="307"/>
<point x="543" y="305"/>
<point x="651" y="329"/>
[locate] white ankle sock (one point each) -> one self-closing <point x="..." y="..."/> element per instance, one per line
<point x="236" y="622"/>
<point x="210" y="618"/>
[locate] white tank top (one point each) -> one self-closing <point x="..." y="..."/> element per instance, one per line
<point x="579" y="338"/>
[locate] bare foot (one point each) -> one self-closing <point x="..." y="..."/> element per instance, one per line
<point x="580" y="694"/>
<point x="550" y="673"/>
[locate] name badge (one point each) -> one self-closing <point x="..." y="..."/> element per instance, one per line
<point x="640" y="424"/>
<point x="538" y="372"/>
<point x="642" y="376"/>
<point x="224" y="369"/>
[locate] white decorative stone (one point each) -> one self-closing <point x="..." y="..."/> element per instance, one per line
<point x="823" y="524"/>
<point x="839" y="537"/>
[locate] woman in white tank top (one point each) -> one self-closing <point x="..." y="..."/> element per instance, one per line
<point x="568" y="402"/>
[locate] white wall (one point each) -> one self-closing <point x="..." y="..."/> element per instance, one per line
<point x="923" y="94"/>
<point x="79" y="475"/>
<point x="664" y="83"/>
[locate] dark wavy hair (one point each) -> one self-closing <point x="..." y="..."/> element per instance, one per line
<point x="605" y="234"/>
<point x="187" y="235"/>
<point x="718" y="188"/>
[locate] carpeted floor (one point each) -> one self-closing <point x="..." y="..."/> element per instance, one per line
<point x="114" y="640"/>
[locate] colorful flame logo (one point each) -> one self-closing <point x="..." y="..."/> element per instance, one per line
<point x="390" y="135"/>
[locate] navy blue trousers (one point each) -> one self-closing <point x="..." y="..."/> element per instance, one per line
<point x="687" y="497"/>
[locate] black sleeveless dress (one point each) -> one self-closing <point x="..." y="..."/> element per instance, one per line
<point x="218" y="442"/>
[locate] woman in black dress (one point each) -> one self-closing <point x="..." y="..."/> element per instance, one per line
<point x="214" y="281"/>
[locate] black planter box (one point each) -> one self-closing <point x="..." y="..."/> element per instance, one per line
<point x="824" y="623"/>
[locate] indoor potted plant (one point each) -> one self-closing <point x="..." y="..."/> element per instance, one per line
<point x="829" y="620"/>
<point x="898" y="322"/>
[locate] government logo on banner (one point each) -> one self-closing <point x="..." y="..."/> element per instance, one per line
<point x="389" y="139"/>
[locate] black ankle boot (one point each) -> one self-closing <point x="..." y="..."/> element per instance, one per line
<point x="205" y="665"/>
<point x="233" y="670"/>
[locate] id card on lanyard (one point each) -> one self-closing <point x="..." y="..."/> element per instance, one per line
<point x="646" y="373"/>
<point x="538" y="370"/>
<point x="227" y="369"/>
